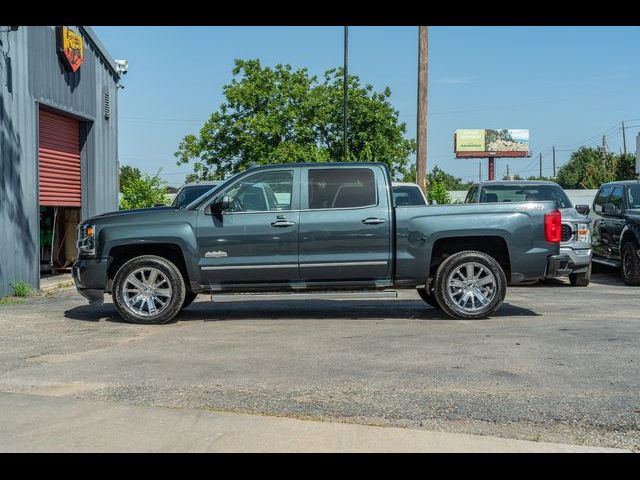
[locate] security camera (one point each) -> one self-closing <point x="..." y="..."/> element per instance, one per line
<point x="122" y="66"/>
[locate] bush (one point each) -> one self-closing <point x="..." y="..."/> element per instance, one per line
<point x="438" y="193"/>
<point x="21" y="289"/>
<point x="141" y="190"/>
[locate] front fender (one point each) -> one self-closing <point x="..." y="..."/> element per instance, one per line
<point x="182" y="235"/>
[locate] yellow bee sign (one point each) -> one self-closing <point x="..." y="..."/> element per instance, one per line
<point x="71" y="48"/>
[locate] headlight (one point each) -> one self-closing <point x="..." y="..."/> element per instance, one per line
<point x="86" y="239"/>
<point x="584" y="234"/>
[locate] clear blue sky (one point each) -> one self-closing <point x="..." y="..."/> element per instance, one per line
<point x="565" y="84"/>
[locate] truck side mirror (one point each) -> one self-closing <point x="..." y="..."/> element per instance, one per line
<point x="218" y="206"/>
<point x="583" y="209"/>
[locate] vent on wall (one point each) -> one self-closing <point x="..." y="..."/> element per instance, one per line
<point x="106" y="104"/>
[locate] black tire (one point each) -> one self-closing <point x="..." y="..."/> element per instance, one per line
<point x="630" y="263"/>
<point x="189" y="297"/>
<point x="429" y="299"/>
<point x="449" y="267"/>
<point x="173" y="277"/>
<point x="580" y="279"/>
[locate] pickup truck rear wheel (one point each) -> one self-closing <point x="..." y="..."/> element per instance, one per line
<point x="470" y="285"/>
<point x="630" y="263"/>
<point x="148" y="290"/>
<point x="429" y="298"/>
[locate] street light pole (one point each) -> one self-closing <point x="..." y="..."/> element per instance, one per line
<point x="345" y="150"/>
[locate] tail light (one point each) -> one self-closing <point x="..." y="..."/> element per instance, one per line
<point x="553" y="226"/>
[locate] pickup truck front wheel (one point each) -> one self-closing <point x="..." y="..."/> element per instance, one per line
<point x="470" y="285"/>
<point x="148" y="290"/>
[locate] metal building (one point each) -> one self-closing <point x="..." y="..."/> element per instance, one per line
<point x="58" y="145"/>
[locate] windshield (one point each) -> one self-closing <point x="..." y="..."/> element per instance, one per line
<point x="188" y="194"/>
<point x="634" y="196"/>
<point x="524" y="193"/>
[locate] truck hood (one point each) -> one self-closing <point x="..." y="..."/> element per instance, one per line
<point x="126" y="214"/>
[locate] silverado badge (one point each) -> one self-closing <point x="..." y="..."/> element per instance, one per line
<point x="216" y="254"/>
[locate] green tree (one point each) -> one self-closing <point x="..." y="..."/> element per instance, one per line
<point x="128" y="174"/>
<point x="449" y="181"/>
<point x="281" y="115"/>
<point x="547" y="179"/>
<point x="590" y="167"/>
<point x="140" y="190"/>
<point x="438" y="193"/>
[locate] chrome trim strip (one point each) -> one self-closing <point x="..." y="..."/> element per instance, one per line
<point x="342" y="264"/>
<point x="293" y="265"/>
<point x="246" y="267"/>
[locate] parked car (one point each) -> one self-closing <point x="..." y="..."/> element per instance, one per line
<point x="333" y="228"/>
<point x="408" y="194"/>
<point x="616" y="228"/>
<point x="191" y="191"/>
<point x="576" y="228"/>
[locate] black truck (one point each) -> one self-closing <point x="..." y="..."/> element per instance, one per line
<point x="616" y="228"/>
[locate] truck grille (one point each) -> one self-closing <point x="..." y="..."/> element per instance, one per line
<point x="567" y="232"/>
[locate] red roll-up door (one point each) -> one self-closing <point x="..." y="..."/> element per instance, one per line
<point x="59" y="160"/>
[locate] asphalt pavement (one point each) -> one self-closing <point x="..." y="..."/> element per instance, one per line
<point x="555" y="364"/>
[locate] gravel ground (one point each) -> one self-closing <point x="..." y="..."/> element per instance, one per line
<point x="556" y="363"/>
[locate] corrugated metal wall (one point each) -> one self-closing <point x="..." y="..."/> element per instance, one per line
<point x="31" y="73"/>
<point x="19" y="217"/>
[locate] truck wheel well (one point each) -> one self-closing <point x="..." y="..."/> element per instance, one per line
<point x="628" y="236"/>
<point x="495" y="247"/>
<point x="119" y="255"/>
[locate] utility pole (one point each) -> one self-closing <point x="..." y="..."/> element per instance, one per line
<point x="421" y="151"/>
<point x="345" y="81"/>
<point x="554" y="161"/>
<point x="479" y="170"/>
<point x="540" y="165"/>
<point x="624" y="139"/>
<point x="508" y="172"/>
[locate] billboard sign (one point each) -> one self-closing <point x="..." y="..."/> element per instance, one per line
<point x="471" y="143"/>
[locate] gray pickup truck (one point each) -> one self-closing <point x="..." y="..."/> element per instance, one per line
<point x="305" y="228"/>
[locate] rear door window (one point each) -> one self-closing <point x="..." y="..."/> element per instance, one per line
<point x="341" y="188"/>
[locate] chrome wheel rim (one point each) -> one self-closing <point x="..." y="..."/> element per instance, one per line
<point x="147" y="292"/>
<point x="471" y="286"/>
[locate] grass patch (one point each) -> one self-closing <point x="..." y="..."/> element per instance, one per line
<point x="11" y="300"/>
<point x="21" y="289"/>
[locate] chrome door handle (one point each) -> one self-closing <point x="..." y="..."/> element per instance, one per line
<point x="282" y="223"/>
<point x="373" y="221"/>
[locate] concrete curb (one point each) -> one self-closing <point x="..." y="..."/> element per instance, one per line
<point x="33" y="423"/>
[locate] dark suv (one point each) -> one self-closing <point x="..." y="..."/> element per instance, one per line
<point x="616" y="228"/>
